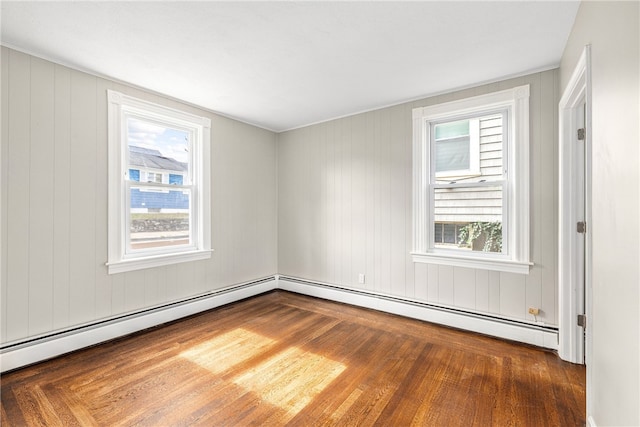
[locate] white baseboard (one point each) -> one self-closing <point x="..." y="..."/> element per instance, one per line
<point x="36" y="349"/>
<point x="43" y="348"/>
<point x="591" y="422"/>
<point x="530" y="334"/>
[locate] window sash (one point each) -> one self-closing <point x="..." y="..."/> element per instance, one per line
<point x="129" y="251"/>
<point x="504" y="217"/>
<point x="196" y="180"/>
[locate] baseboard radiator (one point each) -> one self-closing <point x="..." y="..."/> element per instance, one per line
<point x="17" y="354"/>
<point x="538" y="335"/>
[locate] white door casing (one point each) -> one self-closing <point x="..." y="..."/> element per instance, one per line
<point x="574" y="206"/>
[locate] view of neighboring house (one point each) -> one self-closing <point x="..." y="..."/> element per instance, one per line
<point x="470" y="152"/>
<point x="150" y="166"/>
<point x="159" y="214"/>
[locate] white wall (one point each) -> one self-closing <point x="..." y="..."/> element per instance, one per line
<point x="613" y="372"/>
<point x="344" y="208"/>
<point x="54" y="204"/>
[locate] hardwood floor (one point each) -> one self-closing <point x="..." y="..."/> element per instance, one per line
<point x="282" y="358"/>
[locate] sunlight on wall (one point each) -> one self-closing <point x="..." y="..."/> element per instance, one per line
<point x="291" y="379"/>
<point x="227" y="350"/>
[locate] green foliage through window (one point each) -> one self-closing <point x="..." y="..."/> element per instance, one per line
<point x="482" y="236"/>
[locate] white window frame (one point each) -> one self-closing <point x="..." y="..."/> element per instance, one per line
<point x="120" y="107"/>
<point x="515" y="258"/>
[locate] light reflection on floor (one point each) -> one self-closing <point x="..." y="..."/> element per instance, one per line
<point x="290" y="379"/>
<point x="221" y="353"/>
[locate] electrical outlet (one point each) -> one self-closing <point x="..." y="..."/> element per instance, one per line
<point x="534" y="311"/>
<point x="361" y="278"/>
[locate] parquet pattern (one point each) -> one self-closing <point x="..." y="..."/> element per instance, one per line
<point x="286" y="359"/>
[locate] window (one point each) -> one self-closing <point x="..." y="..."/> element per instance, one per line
<point x="457" y="148"/>
<point x="471" y="182"/>
<point x="154" y="176"/>
<point x="159" y="210"/>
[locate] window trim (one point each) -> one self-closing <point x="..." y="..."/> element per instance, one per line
<point x="120" y="106"/>
<point x="516" y="208"/>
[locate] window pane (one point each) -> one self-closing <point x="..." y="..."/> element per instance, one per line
<point x="452" y="155"/>
<point x="482" y="152"/>
<point x="452" y="129"/>
<point x="159" y="217"/>
<point x="154" y="177"/>
<point x="472" y="217"/>
<point x="134" y="175"/>
<point x="437" y="232"/>
<point x="175" y="179"/>
<point x="153" y="147"/>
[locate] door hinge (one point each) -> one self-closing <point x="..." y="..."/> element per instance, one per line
<point x="581" y="227"/>
<point x="582" y="321"/>
<point x="581" y="134"/>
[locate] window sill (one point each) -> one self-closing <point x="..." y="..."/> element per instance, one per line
<point x="156" y="261"/>
<point x="507" y="266"/>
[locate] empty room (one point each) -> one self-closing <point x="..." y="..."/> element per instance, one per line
<point x="320" y="213"/>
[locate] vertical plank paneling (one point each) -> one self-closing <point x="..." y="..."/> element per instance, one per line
<point x="218" y="191"/>
<point x="18" y="154"/>
<point x="494" y="292"/>
<point x="134" y="289"/>
<point x="445" y="285"/>
<point x="421" y="281"/>
<point x="330" y="201"/>
<point x="312" y="195"/>
<point x="533" y="281"/>
<point x="102" y="279"/>
<point x="385" y="202"/>
<point x="323" y="173"/>
<point x="61" y="197"/>
<point x="371" y="168"/>
<point x="513" y="295"/>
<point x="336" y="207"/>
<point x="397" y="183"/>
<point x="377" y="208"/>
<point x="151" y="292"/>
<point x="359" y="200"/>
<point x="549" y="231"/>
<point x="346" y="203"/>
<point x="82" y="200"/>
<point x="41" y="202"/>
<point x="4" y="178"/>
<point x="464" y="288"/>
<point x="433" y="283"/>
<point x="482" y="290"/>
<point x="406" y="138"/>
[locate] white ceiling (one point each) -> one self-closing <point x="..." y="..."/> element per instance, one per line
<point x="282" y="65"/>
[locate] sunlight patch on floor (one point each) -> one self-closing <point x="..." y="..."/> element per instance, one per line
<point x="223" y="352"/>
<point x="291" y="379"/>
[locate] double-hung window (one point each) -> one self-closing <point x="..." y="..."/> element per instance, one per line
<point x="159" y="197"/>
<point x="471" y="182"/>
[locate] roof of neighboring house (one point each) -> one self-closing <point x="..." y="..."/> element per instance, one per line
<point x="153" y="159"/>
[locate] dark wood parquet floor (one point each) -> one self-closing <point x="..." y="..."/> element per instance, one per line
<point x="286" y="359"/>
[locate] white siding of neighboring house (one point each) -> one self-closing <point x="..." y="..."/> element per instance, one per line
<point x="476" y="204"/>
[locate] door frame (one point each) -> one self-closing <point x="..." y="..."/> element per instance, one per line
<point x="574" y="297"/>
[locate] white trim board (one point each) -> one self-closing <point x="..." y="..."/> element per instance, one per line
<point x="42" y="348"/>
<point x="529" y="334"/>
<point x="37" y="349"/>
<point x="573" y="290"/>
